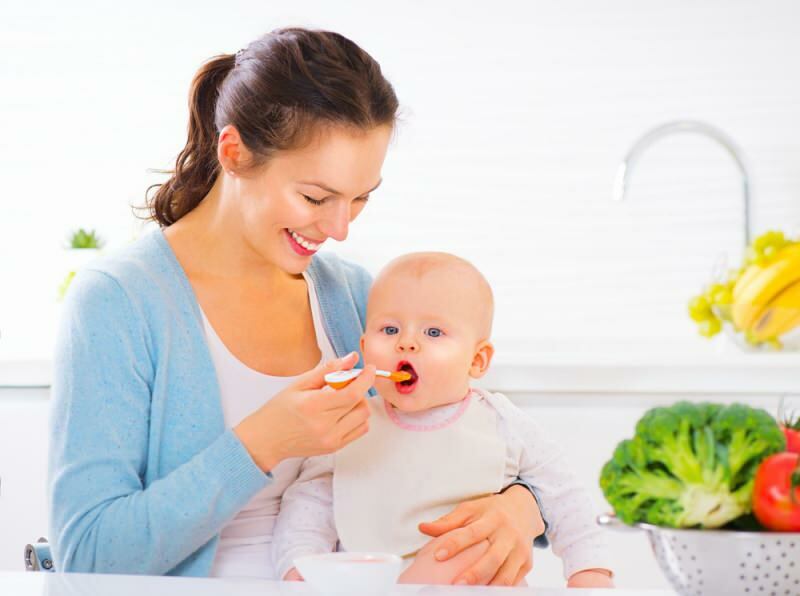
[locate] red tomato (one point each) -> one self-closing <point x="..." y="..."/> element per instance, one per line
<point x="776" y="493"/>
<point x="792" y="438"/>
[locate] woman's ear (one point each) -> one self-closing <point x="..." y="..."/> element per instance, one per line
<point x="231" y="152"/>
<point x="482" y="359"/>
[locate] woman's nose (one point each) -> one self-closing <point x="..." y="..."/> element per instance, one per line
<point x="337" y="221"/>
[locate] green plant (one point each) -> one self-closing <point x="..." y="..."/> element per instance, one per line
<point x="690" y="465"/>
<point x="83" y="239"/>
<point x="62" y="289"/>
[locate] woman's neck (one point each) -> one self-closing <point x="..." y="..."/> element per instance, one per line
<point x="210" y="243"/>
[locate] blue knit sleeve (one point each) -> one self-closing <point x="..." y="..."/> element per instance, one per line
<point x="103" y="516"/>
<point x="360" y="281"/>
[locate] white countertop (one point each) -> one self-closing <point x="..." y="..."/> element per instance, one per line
<point x="79" y="584"/>
<point x="629" y="366"/>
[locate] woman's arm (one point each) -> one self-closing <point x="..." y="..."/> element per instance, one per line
<point x="102" y="517"/>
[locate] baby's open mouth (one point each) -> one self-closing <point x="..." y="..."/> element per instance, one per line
<point x="409" y="385"/>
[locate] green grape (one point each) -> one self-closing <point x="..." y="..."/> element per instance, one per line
<point x="765" y="247"/>
<point x="700" y="309"/>
<point x="723" y="312"/>
<point x="710" y="327"/>
<point x="722" y="295"/>
<point x="751" y="338"/>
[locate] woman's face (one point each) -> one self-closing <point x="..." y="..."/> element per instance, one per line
<point x="301" y="198"/>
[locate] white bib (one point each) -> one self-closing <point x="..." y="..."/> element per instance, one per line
<point x="395" y="476"/>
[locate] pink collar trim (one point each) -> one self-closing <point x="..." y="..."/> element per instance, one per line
<point x="462" y="407"/>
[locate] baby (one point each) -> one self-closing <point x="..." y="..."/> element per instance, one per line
<point x="434" y="441"/>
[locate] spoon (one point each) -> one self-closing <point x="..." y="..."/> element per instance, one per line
<point x="342" y="378"/>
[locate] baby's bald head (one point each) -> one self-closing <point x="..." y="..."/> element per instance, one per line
<point x="456" y="281"/>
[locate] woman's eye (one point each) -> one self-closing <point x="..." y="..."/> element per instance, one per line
<point x="313" y="201"/>
<point x="433" y="332"/>
<point x="389" y="330"/>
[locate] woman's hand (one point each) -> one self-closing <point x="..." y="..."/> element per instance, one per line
<point x="509" y="521"/>
<point x="308" y="417"/>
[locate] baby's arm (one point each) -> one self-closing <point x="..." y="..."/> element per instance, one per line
<point x="575" y="537"/>
<point x="591" y="578"/>
<point x="305" y="523"/>
<point x="427" y="569"/>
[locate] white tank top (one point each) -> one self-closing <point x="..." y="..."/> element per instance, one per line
<point x="244" y="544"/>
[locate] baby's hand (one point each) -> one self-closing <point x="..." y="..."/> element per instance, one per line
<point x="591" y="578"/>
<point x="293" y="575"/>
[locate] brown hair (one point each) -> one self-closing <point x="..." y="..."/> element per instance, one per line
<point x="275" y="91"/>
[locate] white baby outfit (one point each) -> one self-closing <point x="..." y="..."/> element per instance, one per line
<point x="410" y="468"/>
<point x="429" y="469"/>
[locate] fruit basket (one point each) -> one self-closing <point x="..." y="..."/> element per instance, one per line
<point x="757" y="304"/>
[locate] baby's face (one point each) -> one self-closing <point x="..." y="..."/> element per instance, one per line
<point x="429" y="326"/>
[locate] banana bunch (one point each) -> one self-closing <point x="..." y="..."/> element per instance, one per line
<point x="761" y="299"/>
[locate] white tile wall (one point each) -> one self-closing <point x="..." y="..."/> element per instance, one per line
<point x="516" y="115"/>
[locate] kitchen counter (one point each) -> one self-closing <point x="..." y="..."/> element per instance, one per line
<point x="79" y="584"/>
<point x="613" y="366"/>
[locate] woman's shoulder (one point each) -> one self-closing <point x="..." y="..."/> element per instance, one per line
<point x="342" y="288"/>
<point x="140" y="272"/>
<point x="328" y="268"/>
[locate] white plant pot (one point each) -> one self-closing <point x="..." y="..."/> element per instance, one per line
<point x="77" y="258"/>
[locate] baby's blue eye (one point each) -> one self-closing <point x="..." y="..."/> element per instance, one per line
<point x="389" y="330"/>
<point x="433" y="332"/>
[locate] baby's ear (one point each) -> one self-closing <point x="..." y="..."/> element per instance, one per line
<point x="482" y="359"/>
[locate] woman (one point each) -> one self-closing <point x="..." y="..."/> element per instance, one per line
<point x="181" y="406"/>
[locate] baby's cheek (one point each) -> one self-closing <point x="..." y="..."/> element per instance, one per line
<point x="376" y="350"/>
<point x="448" y="374"/>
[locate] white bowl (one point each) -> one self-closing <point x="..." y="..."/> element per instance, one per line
<point x="350" y="573"/>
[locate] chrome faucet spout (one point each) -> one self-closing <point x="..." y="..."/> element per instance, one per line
<point x="682" y="126"/>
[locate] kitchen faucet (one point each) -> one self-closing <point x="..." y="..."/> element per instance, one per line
<point x="679" y="126"/>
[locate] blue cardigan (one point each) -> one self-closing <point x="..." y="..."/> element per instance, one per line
<point x="143" y="473"/>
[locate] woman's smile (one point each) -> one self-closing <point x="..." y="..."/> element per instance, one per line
<point x="302" y="245"/>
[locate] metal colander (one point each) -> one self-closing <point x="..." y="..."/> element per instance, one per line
<point x="723" y="563"/>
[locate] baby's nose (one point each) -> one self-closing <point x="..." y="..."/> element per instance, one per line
<point x="407" y="346"/>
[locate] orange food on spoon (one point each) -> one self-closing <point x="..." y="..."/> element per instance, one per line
<point x="342" y="378"/>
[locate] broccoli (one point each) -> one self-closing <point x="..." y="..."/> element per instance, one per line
<point x="690" y="465"/>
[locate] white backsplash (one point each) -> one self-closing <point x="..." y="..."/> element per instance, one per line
<point x="516" y="116"/>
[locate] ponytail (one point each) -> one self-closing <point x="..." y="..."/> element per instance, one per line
<point x="197" y="166"/>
